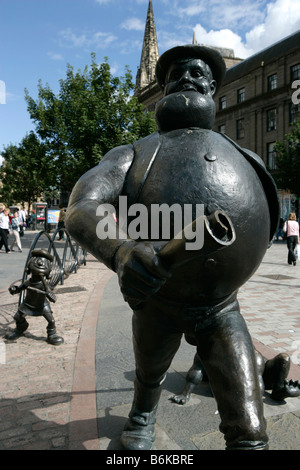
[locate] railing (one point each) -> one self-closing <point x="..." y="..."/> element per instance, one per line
<point x="68" y="256"/>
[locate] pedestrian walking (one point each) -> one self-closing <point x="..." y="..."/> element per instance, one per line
<point x="61" y="222"/>
<point x="291" y="228"/>
<point x="15" y="225"/>
<point x="4" y="229"/>
<point x="280" y="229"/>
<point x="23" y="215"/>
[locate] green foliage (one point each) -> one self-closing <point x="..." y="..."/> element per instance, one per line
<point x="26" y="172"/>
<point x="93" y="113"/>
<point x="288" y="161"/>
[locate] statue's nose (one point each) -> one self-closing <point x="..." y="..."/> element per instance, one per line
<point x="185" y="77"/>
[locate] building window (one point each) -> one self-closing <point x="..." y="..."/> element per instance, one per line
<point x="222" y="102"/>
<point x="272" y="82"/>
<point x="240" y="132"/>
<point x="241" y="95"/>
<point x="222" y="128"/>
<point x="295" y="72"/>
<point x="294" y="113"/>
<point x="271" y="156"/>
<point x="271" y="120"/>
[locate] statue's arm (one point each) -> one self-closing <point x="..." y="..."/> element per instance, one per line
<point x="140" y="271"/>
<point x="100" y="185"/>
<point x="255" y="157"/>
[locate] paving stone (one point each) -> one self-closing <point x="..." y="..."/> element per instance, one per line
<point x="54" y="397"/>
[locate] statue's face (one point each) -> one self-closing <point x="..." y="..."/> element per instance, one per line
<point x="40" y="266"/>
<point x="190" y="75"/>
<point x="188" y="99"/>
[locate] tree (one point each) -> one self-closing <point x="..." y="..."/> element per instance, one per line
<point x="287" y="175"/>
<point x="93" y="112"/>
<point x="26" y="172"/>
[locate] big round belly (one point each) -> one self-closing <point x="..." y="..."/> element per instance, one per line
<point x="192" y="169"/>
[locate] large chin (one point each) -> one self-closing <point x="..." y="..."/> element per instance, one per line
<point x="185" y="109"/>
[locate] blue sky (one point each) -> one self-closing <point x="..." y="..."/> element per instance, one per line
<point x="40" y="37"/>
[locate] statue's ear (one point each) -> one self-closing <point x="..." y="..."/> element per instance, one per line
<point x="213" y="87"/>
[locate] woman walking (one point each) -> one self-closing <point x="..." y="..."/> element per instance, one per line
<point x="4" y="230"/>
<point x="15" y="225"/>
<point x="291" y="228"/>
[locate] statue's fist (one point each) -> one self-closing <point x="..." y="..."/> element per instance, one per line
<point x="13" y="290"/>
<point x="141" y="272"/>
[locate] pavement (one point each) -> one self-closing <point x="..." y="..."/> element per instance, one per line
<point x="77" y="396"/>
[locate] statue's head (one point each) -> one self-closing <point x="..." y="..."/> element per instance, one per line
<point x="189" y="77"/>
<point x="40" y="263"/>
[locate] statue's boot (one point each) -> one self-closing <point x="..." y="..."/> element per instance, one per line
<point x="21" y="326"/>
<point x="52" y="336"/>
<point x="139" y="430"/>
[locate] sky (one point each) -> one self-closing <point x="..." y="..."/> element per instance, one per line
<point x="38" y="38"/>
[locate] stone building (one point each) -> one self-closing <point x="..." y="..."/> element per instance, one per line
<point x="254" y="106"/>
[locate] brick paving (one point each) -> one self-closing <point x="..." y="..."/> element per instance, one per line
<point x="270" y="303"/>
<point x="48" y="393"/>
<point x="37" y="379"/>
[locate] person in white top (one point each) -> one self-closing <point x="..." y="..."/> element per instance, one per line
<point x="4" y="229"/>
<point x="291" y="228"/>
<point x="15" y="225"/>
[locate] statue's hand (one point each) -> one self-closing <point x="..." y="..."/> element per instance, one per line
<point x="141" y="272"/>
<point x="13" y="290"/>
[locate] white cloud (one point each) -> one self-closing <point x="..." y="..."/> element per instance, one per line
<point x="54" y="56"/>
<point x="223" y="38"/>
<point x="103" y="2"/>
<point x="237" y="14"/>
<point x="1" y="160"/>
<point x="282" y="18"/>
<point x="222" y="14"/>
<point x="133" y="24"/>
<point x="8" y="97"/>
<point x="86" y="40"/>
<point x="71" y="39"/>
<point x="167" y="39"/>
<point x="191" y="10"/>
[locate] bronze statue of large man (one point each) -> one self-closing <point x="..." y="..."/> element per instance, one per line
<point x="185" y="163"/>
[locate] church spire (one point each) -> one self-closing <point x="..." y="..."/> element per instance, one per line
<point x="146" y="72"/>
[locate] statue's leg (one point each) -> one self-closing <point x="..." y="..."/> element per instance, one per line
<point x="155" y="345"/>
<point x="196" y="374"/>
<point x="228" y="356"/>
<point x="139" y="430"/>
<point x="260" y="364"/>
<point x="21" y="326"/>
<point x="52" y="336"/>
